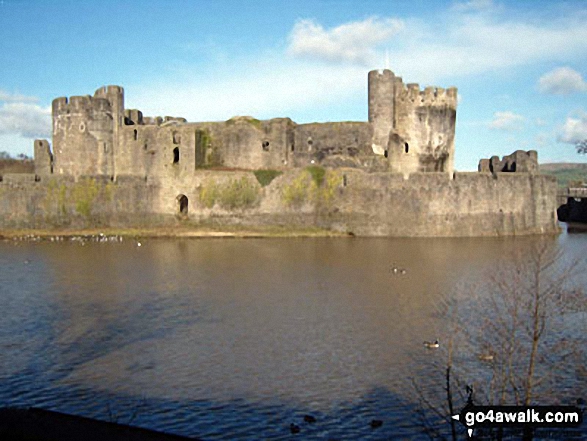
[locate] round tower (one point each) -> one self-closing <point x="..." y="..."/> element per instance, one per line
<point x="115" y="96"/>
<point x="381" y="107"/>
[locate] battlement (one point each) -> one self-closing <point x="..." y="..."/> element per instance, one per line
<point x="133" y="116"/>
<point x="381" y="74"/>
<point x="519" y="161"/>
<point x="430" y="96"/>
<point x="106" y="91"/>
<point x="80" y="104"/>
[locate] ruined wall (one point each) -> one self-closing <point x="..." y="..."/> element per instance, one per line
<point x="332" y="144"/>
<point x="381" y="90"/>
<point x="519" y="161"/>
<point x="414" y="129"/>
<point x="43" y="157"/>
<point x="423" y="137"/>
<point x="246" y="142"/>
<point x="344" y="200"/>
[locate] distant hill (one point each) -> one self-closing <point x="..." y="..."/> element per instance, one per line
<point x="11" y="165"/>
<point x="566" y="172"/>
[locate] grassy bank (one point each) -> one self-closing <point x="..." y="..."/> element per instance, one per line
<point x="165" y="232"/>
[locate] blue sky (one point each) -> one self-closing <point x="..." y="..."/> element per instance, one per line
<point x="520" y="66"/>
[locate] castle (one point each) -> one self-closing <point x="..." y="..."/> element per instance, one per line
<point x="392" y="175"/>
<point x="409" y="131"/>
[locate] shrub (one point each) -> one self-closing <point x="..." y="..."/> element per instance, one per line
<point x="238" y="194"/>
<point x="231" y="195"/>
<point x="299" y="190"/>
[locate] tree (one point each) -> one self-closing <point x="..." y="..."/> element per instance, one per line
<point x="519" y="336"/>
<point x="582" y="146"/>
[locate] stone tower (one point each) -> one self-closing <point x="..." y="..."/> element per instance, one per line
<point x="85" y="132"/>
<point x="381" y="107"/>
<point x="415" y="129"/>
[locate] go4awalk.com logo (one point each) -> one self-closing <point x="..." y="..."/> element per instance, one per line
<point x="519" y="416"/>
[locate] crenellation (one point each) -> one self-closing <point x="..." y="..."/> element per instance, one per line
<point x="413" y="92"/>
<point x="80" y="103"/>
<point x="101" y="105"/>
<point x="59" y="105"/>
<point x="519" y="161"/>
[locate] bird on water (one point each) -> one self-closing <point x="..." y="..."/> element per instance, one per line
<point x="432" y="344"/>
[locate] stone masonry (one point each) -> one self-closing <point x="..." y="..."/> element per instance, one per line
<point x="392" y="175"/>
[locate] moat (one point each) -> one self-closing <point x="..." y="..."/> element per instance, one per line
<point x="236" y="338"/>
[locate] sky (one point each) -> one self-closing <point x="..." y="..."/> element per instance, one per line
<point x="520" y="66"/>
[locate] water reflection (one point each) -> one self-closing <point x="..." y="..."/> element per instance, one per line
<point x="230" y="339"/>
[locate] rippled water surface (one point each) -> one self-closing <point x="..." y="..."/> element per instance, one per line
<point x="230" y="338"/>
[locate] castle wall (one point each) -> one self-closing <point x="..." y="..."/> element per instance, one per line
<point x="347" y="200"/>
<point x="61" y="201"/>
<point x="248" y="143"/>
<point x="337" y="143"/>
<point x="423" y="137"/>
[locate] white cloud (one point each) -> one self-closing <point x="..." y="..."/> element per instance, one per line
<point x="562" y="81"/>
<point x="540" y="122"/>
<point x="25" y="119"/>
<point x="574" y="129"/>
<point x="16" y="98"/>
<point x="469" y="39"/>
<point x="353" y="42"/>
<point x="469" y="44"/>
<point x="260" y="91"/>
<point x="328" y="66"/>
<point x="507" y="121"/>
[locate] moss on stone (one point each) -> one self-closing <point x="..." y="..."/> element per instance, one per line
<point x="332" y="182"/>
<point x="264" y="177"/>
<point x="109" y="190"/>
<point x="208" y="194"/>
<point x="258" y="124"/>
<point x="300" y="190"/>
<point x="238" y="194"/>
<point x="235" y="194"/>
<point x="83" y="194"/>
<point x="317" y="174"/>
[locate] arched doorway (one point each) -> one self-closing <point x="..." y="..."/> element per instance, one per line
<point x="182" y="205"/>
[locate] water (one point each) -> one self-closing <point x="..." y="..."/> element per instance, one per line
<point x="235" y="339"/>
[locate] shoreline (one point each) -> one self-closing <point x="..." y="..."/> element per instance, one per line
<point x="106" y="233"/>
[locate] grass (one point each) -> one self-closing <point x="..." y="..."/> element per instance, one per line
<point x="201" y="230"/>
<point x="258" y="124"/>
<point x="567" y="174"/>
<point x="235" y="194"/>
<point x="317" y="174"/>
<point x="264" y="177"/>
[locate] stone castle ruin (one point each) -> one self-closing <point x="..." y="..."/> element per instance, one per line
<point x="409" y="130"/>
<point x="392" y="175"/>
